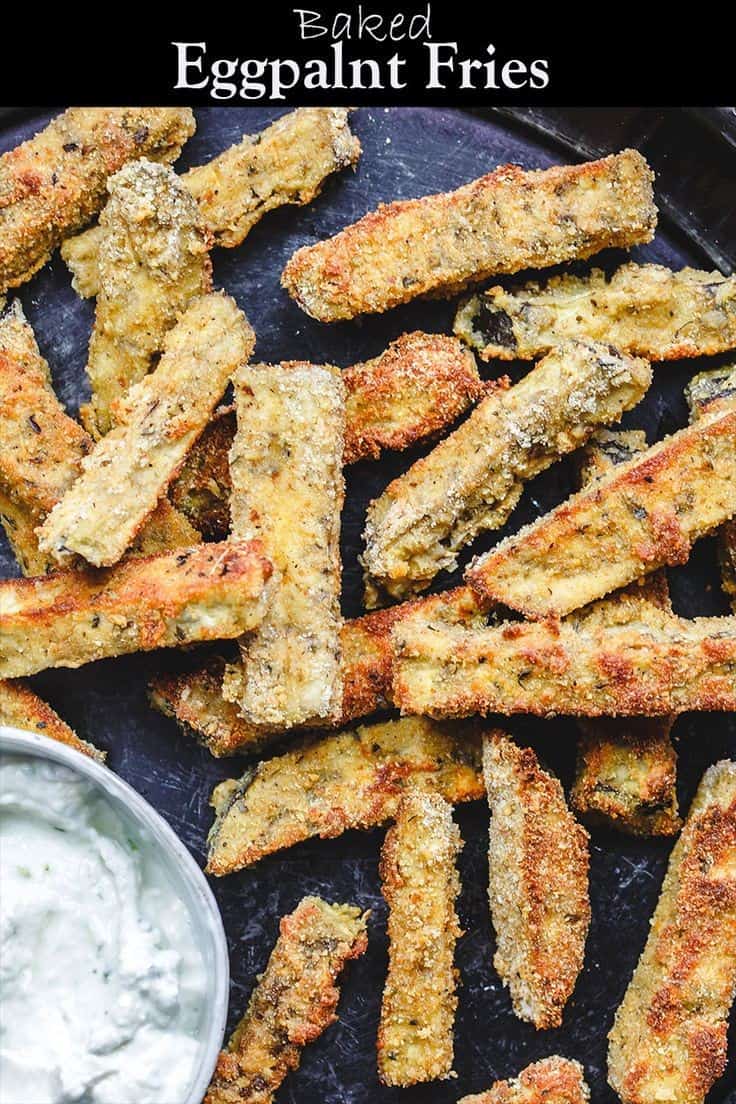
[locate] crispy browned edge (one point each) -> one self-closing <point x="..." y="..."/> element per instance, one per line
<point x="131" y="597"/>
<point x="21" y="708"/>
<point x="697" y="905"/>
<point x="350" y="242"/>
<point x="194" y="697"/>
<point x="450" y="385"/>
<point x="552" y="1080"/>
<point x="294" y="1001"/>
<point x="427" y="976"/>
<point x="58" y="190"/>
<point x="552" y="853"/>
<point x="672" y="547"/>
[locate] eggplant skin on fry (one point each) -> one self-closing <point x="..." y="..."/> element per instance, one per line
<point x="504" y="222"/>
<point x="293" y="1002"/>
<point x="54" y="183"/>
<point x="342" y="780"/>
<point x="552" y="1081"/>
<point x="538" y="882"/>
<point x="646" y="310"/>
<point x="669" y="1038"/>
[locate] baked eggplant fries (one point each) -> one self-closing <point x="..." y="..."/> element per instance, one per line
<point x="646" y="310"/>
<point x="552" y="1081"/>
<point x="21" y="708"/>
<point x="293" y="1002"/>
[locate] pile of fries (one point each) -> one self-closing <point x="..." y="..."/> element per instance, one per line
<point x="164" y="518"/>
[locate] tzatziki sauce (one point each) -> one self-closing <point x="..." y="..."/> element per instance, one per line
<point x="102" y="983"/>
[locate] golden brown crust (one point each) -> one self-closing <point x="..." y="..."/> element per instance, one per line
<point x="668" y="1041"/>
<point x="416" y="388"/>
<point x="626" y="773"/>
<point x="293" y="1002"/>
<point x="21" y="708"/>
<point x="420" y="884"/>
<point x="337" y="781"/>
<point x="504" y="222"/>
<point x="646" y="310"/>
<point x="288" y="491"/>
<point x="538" y="882"/>
<point x="159" y="419"/>
<point x="645" y="514"/>
<point x="194" y="697"/>
<point x="41" y="450"/>
<point x="53" y="184"/>
<point x="638" y="660"/>
<point x="209" y="592"/>
<point x="551" y="1081"/>
<point x="474" y="478"/>
<point x="287" y="163"/>
<point x="152" y="263"/>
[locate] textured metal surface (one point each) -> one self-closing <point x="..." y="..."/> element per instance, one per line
<point x="407" y="152"/>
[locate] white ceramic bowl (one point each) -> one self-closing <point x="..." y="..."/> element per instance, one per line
<point x="186" y="877"/>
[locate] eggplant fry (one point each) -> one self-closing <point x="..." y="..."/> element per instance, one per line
<point x="288" y="163"/>
<point x="415" y="389"/>
<point x="294" y="1001"/>
<point x="629" y="660"/>
<point x="159" y="419"/>
<point x="209" y="592"/>
<point x="538" y="882"/>
<point x="643" y="515"/>
<point x="707" y="392"/>
<point x="646" y="310"/>
<point x="420" y="885"/>
<point x="53" y="184"/>
<point x="288" y="490"/>
<point x="195" y="700"/>
<point x="41" y="451"/>
<point x="153" y="263"/>
<point x="626" y="773"/>
<point x="21" y="708"/>
<point x="552" y="1081"/>
<point x="337" y="781"/>
<point x="504" y="222"/>
<point x="668" y="1040"/>
<point x="474" y="478"/>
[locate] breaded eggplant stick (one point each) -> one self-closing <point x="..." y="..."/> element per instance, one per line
<point x="153" y="262"/>
<point x="287" y="163"/>
<point x="668" y="1041"/>
<point x="473" y="479"/>
<point x="643" y="515"/>
<point x="552" y="1081"/>
<point x="209" y="592"/>
<point x="337" y="781"/>
<point x="41" y="451"/>
<point x="646" y="310"/>
<point x="288" y="490"/>
<point x="293" y="1002"/>
<point x="420" y="884"/>
<point x="21" y="708"/>
<point x="504" y="222"/>
<point x="53" y="184"/>
<point x="159" y="419"/>
<point x="642" y="661"/>
<point x="194" y="697"/>
<point x="626" y="772"/>
<point x="705" y="393"/>
<point x="538" y="882"/>
<point x="415" y="389"/>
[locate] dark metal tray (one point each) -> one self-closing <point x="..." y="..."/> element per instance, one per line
<point x="408" y="152"/>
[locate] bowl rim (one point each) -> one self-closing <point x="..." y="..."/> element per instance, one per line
<point x="18" y="740"/>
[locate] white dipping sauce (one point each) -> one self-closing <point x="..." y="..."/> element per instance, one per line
<point x="101" y="980"/>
